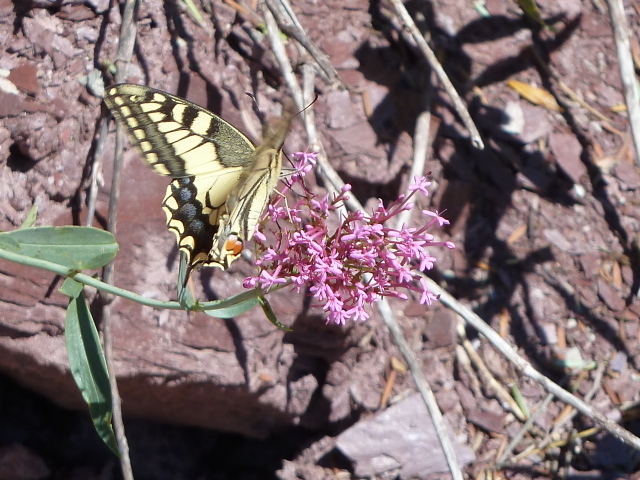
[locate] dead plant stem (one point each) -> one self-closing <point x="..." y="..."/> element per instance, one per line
<point x="329" y="175"/>
<point x="525" y="368"/>
<point x="289" y="24"/>
<point x="417" y="39"/>
<point x="96" y="167"/>
<point x="627" y="71"/>
<point x="126" y="43"/>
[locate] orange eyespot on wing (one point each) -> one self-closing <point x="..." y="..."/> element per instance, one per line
<point x="233" y="245"/>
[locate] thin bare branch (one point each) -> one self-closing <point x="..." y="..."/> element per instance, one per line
<point x="627" y="71"/>
<point x="96" y="168"/>
<point x="331" y="177"/>
<point x="418" y="40"/>
<point x="289" y="24"/>
<point x="421" y="143"/>
<point x="524" y="367"/>
<point x="415" y="367"/>
<point x="282" y="58"/>
<point x="123" y="58"/>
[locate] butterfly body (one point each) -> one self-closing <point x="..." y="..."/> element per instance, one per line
<point x="222" y="181"/>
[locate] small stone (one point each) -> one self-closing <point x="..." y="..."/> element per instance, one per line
<point x="25" y="77"/>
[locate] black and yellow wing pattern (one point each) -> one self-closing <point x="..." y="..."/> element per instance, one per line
<point x="222" y="181"/>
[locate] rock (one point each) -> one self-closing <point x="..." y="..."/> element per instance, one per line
<point x="567" y="151"/>
<point x="17" y="462"/>
<point x="25" y="77"/>
<point x="400" y="438"/>
<point x="174" y="367"/>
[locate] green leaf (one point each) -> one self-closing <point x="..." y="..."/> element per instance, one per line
<point x="71" y="288"/>
<point x="8" y="243"/>
<point x="271" y="315"/>
<point x="88" y="366"/>
<point x="232" y="306"/>
<point x="194" y="12"/>
<point x="184" y="293"/>
<point x="520" y="400"/>
<point x="73" y="247"/>
<point x="530" y="8"/>
<point x="30" y="219"/>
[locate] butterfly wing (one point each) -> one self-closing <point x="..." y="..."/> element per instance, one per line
<point x="177" y="138"/>
<point x="194" y="207"/>
<point x="204" y="153"/>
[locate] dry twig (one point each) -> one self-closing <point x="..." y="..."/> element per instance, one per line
<point x="126" y="43"/>
<point x="464" y="362"/>
<point x="332" y="178"/>
<point x="329" y="175"/>
<point x="421" y="143"/>
<point x="526" y="369"/>
<point x="418" y="40"/>
<point x="415" y="367"/>
<point x="289" y="24"/>
<point x="627" y="71"/>
<point x="96" y="167"/>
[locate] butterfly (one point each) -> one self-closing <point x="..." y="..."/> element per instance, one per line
<point x="222" y="181"/>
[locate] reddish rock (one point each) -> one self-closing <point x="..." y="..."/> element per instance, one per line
<point x="567" y="151"/>
<point x="610" y="296"/>
<point x="25" y="77"/>
<point x="490" y="421"/>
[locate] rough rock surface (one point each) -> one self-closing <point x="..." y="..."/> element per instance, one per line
<point x="545" y="220"/>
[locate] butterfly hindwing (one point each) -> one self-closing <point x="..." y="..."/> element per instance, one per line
<point x="194" y="207"/>
<point x="222" y="181"/>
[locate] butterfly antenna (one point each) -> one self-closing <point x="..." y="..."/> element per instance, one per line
<point x="315" y="99"/>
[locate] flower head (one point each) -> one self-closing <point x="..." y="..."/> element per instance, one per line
<point x="352" y="265"/>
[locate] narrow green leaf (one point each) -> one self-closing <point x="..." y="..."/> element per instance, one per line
<point x="530" y="8"/>
<point x="271" y="315"/>
<point x="232" y="306"/>
<point x="72" y="247"/>
<point x="30" y="219"/>
<point x="88" y="366"/>
<point x="520" y="400"/>
<point x="194" y="12"/>
<point x="184" y="293"/>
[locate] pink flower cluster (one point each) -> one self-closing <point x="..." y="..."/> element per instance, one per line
<point x="353" y="265"/>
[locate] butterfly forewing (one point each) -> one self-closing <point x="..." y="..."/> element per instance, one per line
<point x="177" y="138"/>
